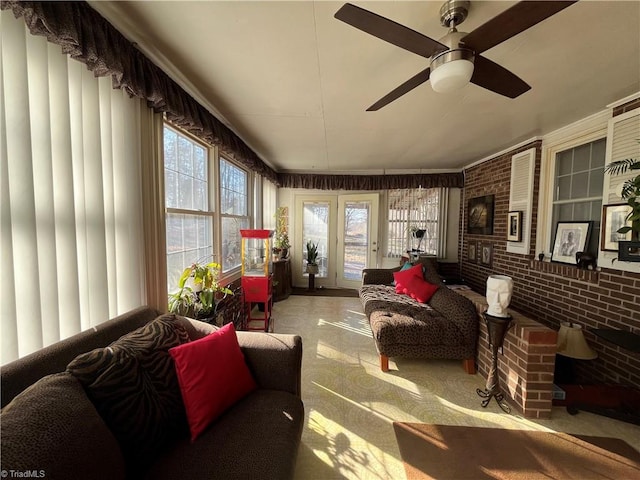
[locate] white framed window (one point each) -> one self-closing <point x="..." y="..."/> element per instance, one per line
<point x="577" y="191"/>
<point x="410" y="209"/>
<point x="564" y="162"/>
<point x="234" y="211"/>
<point x="188" y="203"/>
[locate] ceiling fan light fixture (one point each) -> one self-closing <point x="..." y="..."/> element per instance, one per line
<point x="451" y="70"/>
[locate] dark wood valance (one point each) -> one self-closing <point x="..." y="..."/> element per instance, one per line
<point x="371" y="182"/>
<point x="88" y="37"/>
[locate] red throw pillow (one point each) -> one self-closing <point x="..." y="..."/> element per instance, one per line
<point x="212" y="375"/>
<point x="402" y="277"/>
<point x="420" y="289"/>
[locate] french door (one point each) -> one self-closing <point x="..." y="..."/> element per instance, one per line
<point x="345" y="229"/>
<point x="357" y="247"/>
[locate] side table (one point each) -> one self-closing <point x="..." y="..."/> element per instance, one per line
<point x="621" y="338"/>
<point x="281" y="279"/>
<point x="613" y="401"/>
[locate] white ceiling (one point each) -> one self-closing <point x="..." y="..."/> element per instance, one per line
<point x="293" y="82"/>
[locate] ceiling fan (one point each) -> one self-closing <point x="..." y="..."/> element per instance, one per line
<point x="455" y="59"/>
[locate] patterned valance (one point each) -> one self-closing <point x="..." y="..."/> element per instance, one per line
<point x="88" y="37"/>
<point x="371" y="182"/>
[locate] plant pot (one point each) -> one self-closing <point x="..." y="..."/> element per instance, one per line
<point x="312" y="269"/>
<point x="284" y="253"/>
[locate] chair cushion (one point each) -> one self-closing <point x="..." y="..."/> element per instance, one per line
<point x="420" y="289"/>
<point x="53" y="428"/>
<point x="402" y="277"/>
<point x="134" y="387"/>
<point x="257" y="438"/>
<point x="213" y="376"/>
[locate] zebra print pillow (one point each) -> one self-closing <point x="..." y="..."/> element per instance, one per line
<point x="134" y="387"/>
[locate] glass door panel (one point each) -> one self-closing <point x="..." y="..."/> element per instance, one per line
<point x="315" y="229"/>
<point x="357" y="237"/>
<point x="315" y="221"/>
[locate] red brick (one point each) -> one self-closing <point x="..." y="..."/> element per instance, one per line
<point x="550" y="293"/>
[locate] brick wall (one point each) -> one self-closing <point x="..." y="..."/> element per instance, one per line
<point x="451" y="270"/>
<point x="552" y="293"/>
<point x="525" y="364"/>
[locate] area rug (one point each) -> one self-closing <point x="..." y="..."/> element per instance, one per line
<point x="456" y="452"/>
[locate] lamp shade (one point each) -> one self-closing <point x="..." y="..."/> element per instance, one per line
<point x="451" y="76"/>
<point x="572" y="344"/>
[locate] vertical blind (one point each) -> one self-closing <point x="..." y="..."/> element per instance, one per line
<point x="269" y="204"/>
<point x="71" y="216"/>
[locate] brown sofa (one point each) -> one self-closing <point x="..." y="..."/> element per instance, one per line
<point x="446" y="327"/>
<point x="51" y="428"/>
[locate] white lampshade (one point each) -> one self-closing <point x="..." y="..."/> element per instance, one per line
<point x="451" y="76"/>
<point x="572" y="344"/>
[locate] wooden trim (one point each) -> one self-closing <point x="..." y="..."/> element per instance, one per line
<point x="469" y="365"/>
<point x="384" y="363"/>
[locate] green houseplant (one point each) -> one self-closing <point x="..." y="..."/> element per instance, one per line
<point x="312" y="257"/>
<point x="281" y="242"/>
<point x="631" y="193"/>
<point x="198" y="301"/>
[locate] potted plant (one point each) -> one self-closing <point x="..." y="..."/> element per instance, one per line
<point x="312" y="258"/>
<point x="631" y="193"/>
<point x="281" y="243"/>
<point x="199" y="300"/>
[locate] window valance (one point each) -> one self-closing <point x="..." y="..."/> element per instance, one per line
<point x="371" y="182"/>
<point x="88" y="37"/>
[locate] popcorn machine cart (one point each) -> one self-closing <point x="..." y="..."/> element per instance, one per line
<point x="257" y="278"/>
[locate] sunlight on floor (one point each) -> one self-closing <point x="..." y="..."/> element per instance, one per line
<point x="363" y="330"/>
<point x="355" y="404"/>
<point x="351" y="404"/>
<point x="349" y="455"/>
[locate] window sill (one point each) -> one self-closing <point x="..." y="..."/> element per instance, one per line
<point x="565" y="270"/>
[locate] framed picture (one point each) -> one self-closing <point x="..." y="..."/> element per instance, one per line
<point x="571" y="238"/>
<point x="613" y="218"/>
<point x="486" y="254"/>
<point x="480" y="215"/>
<point x="471" y="251"/>
<point x="514" y="226"/>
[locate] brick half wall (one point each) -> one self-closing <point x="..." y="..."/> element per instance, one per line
<point x="551" y="293"/>
<point x="526" y="364"/>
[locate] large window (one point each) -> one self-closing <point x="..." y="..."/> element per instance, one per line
<point x="234" y="211"/>
<point x="189" y="213"/>
<point x="577" y="194"/>
<point x="412" y="210"/>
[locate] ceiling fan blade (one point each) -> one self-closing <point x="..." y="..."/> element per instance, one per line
<point x="520" y="17"/>
<point x="388" y="30"/>
<point x="490" y="75"/>
<point x="406" y="87"/>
